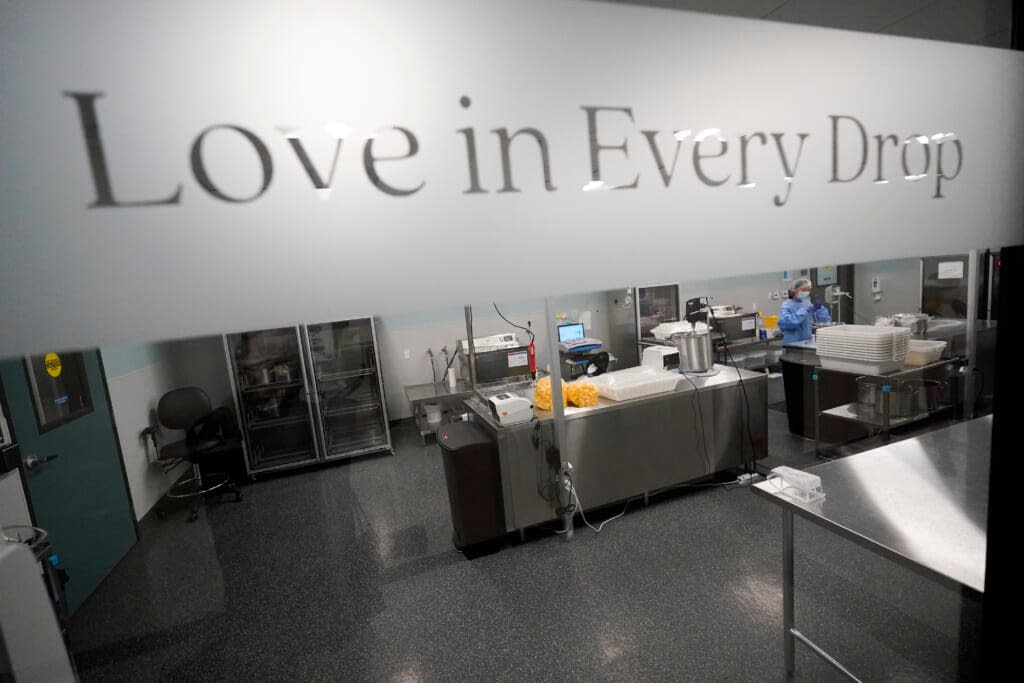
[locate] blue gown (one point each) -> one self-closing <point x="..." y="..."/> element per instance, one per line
<point x="796" y="318"/>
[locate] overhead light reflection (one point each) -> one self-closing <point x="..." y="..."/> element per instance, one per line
<point x="746" y="185"/>
<point x="923" y="139"/>
<point x="681" y="135"/>
<point x="337" y="129"/>
<point x="598" y="185"/>
<point x="915" y="178"/>
<point x="881" y="182"/>
<point x="717" y="132"/>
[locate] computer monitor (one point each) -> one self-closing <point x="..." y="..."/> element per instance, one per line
<point x="570" y="332"/>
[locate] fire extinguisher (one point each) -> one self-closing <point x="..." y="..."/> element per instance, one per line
<point x="531" y="354"/>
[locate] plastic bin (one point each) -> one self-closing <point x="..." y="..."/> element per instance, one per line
<point x="924" y="351"/>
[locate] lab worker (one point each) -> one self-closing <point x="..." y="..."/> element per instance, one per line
<point x="798" y="313"/>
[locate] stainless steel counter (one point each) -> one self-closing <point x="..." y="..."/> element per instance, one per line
<point x="922" y="502"/>
<point x="624" y="449"/>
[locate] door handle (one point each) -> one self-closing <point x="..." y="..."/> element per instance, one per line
<point x="33" y="462"/>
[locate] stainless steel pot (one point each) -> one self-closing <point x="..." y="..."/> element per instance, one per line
<point x="906" y="399"/>
<point x="917" y="322"/>
<point x="694" y="351"/>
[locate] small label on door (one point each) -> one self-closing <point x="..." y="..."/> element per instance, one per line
<point x="60" y="400"/>
<point x="748" y="324"/>
<point x="52" y="364"/>
<point x="951" y="270"/>
<point x="518" y="359"/>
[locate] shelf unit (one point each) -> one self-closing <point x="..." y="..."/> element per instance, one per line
<point x="277" y="420"/>
<point x="348" y="391"/>
<point x="884" y="422"/>
<point x="327" y="404"/>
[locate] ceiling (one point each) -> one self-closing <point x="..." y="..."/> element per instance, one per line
<point x="976" y="22"/>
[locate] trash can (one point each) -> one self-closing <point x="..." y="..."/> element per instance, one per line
<point x="473" y="476"/>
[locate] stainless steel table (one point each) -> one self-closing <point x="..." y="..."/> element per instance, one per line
<point x="922" y="503"/>
<point x="418" y="395"/>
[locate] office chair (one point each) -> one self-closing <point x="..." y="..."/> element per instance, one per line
<point x="209" y="434"/>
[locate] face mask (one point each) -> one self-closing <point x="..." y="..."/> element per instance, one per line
<point x="803" y="296"/>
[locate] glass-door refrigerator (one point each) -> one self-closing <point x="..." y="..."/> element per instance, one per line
<point x="346" y="387"/>
<point x="272" y="398"/>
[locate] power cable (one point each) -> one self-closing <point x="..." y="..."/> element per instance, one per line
<point x="525" y="329"/>
<point x="703" y="434"/>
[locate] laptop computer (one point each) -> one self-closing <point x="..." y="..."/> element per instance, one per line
<point x="571" y="339"/>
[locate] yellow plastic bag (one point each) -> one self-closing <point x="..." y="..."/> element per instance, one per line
<point x="582" y="394"/>
<point x="542" y="394"/>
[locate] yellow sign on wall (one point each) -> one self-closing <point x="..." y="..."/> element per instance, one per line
<point x="52" y="364"/>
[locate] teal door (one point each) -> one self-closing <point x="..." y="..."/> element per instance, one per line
<point x="61" y="419"/>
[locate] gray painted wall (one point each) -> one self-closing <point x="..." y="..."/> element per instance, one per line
<point x="901" y="288"/>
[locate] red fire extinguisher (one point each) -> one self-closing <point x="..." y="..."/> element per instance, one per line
<point x="531" y="354"/>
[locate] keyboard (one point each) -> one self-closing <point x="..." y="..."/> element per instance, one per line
<point x="580" y="345"/>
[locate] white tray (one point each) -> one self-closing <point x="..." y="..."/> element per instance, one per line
<point x="861" y="367"/>
<point x="625" y="385"/>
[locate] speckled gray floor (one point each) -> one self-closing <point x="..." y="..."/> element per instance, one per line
<point x="348" y="573"/>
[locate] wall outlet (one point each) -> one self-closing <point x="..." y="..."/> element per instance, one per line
<point x="407" y="354"/>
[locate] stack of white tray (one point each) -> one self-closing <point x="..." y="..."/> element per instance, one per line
<point x="624" y="385"/>
<point x="863" y="348"/>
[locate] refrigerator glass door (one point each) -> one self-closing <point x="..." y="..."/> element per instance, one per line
<point x="343" y="362"/>
<point x="272" y="397"/>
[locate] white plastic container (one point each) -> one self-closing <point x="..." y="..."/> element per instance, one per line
<point x="924" y="351"/>
<point x="624" y="385"/>
<point x="860" y="367"/>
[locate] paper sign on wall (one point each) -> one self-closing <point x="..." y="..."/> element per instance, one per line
<point x="518" y="359"/>
<point x="826" y="275"/>
<point x="951" y="270"/>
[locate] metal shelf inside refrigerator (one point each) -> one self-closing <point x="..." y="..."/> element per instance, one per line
<point x="276" y="422"/>
<point x="272" y="385"/>
<point x="349" y="408"/>
<point x="344" y="374"/>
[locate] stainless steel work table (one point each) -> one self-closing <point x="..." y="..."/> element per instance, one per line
<point x="626" y="449"/>
<point x="418" y="395"/>
<point x="922" y="503"/>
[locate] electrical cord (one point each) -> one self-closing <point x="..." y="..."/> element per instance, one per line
<point x="703" y="435"/>
<point x="579" y="506"/>
<point x="525" y="329"/>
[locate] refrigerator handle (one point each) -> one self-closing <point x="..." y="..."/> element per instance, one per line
<point x="312" y="391"/>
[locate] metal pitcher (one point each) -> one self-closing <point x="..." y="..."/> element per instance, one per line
<point x="694" y="351"/>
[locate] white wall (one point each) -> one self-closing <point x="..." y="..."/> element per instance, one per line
<point x="137" y="376"/>
<point x="749" y="291"/>
<point x="901" y="288"/>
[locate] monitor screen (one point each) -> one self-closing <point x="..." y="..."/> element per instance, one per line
<point x="571" y="332"/>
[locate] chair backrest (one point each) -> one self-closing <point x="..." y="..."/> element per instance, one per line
<point x="182" y="408"/>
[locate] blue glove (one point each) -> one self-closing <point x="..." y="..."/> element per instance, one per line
<point x="817" y="306"/>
